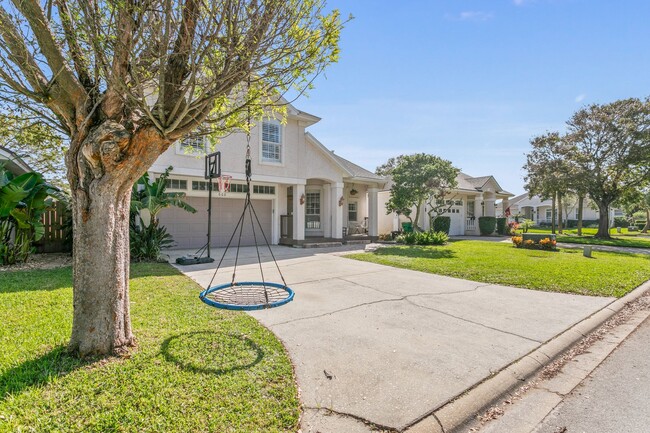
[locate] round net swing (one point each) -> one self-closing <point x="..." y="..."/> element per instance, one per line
<point x="247" y="295"/>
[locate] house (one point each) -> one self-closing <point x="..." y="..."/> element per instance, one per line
<point x="540" y="211"/>
<point x="473" y="197"/>
<point x="13" y="162"/>
<point x="301" y="191"/>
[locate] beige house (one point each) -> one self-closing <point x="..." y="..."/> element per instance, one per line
<point x="472" y="198"/>
<point x="301" y="190"/>
<point x="13" y="162"/>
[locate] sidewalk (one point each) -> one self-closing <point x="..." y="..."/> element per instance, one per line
<point x="380" y="348"/>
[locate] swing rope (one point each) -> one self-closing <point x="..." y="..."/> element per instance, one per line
<point x="247" y="295"/>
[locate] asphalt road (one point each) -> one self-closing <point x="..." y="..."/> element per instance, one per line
<point x="614" y="398"/>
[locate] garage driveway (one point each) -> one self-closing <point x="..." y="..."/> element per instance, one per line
<point x="388" y="346"/>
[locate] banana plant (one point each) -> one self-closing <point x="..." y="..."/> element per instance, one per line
<point x="23" y="200"/>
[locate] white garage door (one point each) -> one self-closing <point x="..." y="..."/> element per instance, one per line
<point x="190" y="230"/>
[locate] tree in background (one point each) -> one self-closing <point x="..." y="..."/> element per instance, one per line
<point x="123" y="81"/>
<point x="38" y="145"/>
<point x="637" y="200"/>
<point x="610" y="147"/>
<point x="417" y="179"/>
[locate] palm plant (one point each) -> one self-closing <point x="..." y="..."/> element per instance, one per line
<point x="148" y="199"/>
<point x="23" y="200"/>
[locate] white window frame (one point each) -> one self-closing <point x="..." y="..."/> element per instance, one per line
<point x="320" y="210"/>
<point x="356" y="210"/>
<point x="280" y="144"/>
<point x="180" y="147"/>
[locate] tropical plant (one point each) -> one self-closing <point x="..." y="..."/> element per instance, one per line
<point x="148" y="199"/>
<point x="23" y="200"/>
<point x="423" y="238"/>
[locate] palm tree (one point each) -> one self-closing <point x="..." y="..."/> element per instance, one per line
<point x="148" y="199"/>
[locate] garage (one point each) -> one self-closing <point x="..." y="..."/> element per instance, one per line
<point x="189" y="230"/>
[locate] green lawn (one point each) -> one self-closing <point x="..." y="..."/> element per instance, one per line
<point x="624" y="239"/>
<point x="196" y="369"/>
<point x="606" y="274"/>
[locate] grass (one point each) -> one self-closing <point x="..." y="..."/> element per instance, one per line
<point x="606" y="274"/>
<point x="196" y="369"/>
<point x="624" y="239"/>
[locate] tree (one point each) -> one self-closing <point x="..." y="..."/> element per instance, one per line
<point x="637" y="200"/>
<point x="37" y="144"/>
<point x="549" y="173"/>
<point x="417" y="179"/>
<point x="123" y="80"/>
<point x="610" y="146"/>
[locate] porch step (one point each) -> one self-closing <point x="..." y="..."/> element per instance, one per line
<point x="320" y="244"/>
<point x="357" y="242"/>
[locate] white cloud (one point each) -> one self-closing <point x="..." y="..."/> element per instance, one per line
<point x="470" y="16"/>
<point x="581" y="97"/>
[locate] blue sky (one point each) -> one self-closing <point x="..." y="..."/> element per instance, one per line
<point x="473" y="81"/>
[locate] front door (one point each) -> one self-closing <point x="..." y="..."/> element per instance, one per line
<point x="313" y="224"/>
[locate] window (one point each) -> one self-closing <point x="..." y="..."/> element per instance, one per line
<point x="203" y="186"/>
<point x="458" y="202"/>
<point x="352" y="211"/>
<point x="577" y="214"/>
<point x="271" y="141"/>
<point x="263" y="189"/>
<point x="470" y="209"/>
<point x="176" y="184"/>
<point x="312" y="210"/>
<point x="193" y="144"/>
<point x="549" y="215"/>
<point x="238" y="187"/>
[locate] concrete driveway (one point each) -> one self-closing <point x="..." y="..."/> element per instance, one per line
<point x="375" y="346"/>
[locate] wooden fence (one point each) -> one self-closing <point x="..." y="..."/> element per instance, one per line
<point x="54" y="239"/>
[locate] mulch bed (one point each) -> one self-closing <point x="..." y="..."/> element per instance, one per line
<point x="41" y="261"/>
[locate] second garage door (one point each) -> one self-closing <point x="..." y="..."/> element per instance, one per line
<point x="190" y="230"/>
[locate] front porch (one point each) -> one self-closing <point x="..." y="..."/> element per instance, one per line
<point x="322" y="242"/>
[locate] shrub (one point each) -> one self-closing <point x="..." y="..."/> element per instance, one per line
<point x="547" y="244"/>
<point x="501" y="226"/>
<point x="423" y="238"/>
<point x="621" y="222"/>
<point x="529" y="243"/>
<point x="386" y="237"/>
<point x="543" y="244"/>
<point x="441" y="224"/>
<point x="487" y="225"/>
<point x="147" y="242"/>
<point x="526" y="224"/>
<point x="639" y="224"/>
<point x="512" y="228"/>
<point x="517" y="241"/>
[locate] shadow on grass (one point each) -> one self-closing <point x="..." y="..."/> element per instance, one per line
<point x="39" y="371"/>
<point x="419" y="252"/>
<point x="152" y="269"/>
<point x="211" y="352"/>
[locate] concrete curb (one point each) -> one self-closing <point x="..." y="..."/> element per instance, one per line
<point x="462" y="409"/>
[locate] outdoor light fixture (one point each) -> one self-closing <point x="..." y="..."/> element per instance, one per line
<point x="341" y="200"/>
<point x="302" y="199"/>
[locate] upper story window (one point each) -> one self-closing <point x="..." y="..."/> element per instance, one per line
<point x="176" y="183"/>
<point x="271" y="141"/>
<point x="193" y="144"/>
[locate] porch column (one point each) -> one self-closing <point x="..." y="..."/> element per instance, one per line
<point x="336" y="192"/>
<point x="505" y="204"/>
<point x="298" y="213"/>
<point x="373" y="212"/>
<point x="326" y="214"/>
<point x="489" y="207"/>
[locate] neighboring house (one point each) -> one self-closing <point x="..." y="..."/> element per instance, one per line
<point x="540" y="211"/>
<point x="473" y="197"/>
<point x="13" y="162"/>
<point x="301" y="191"/>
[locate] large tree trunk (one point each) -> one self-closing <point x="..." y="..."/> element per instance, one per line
<point x="101" y="321"/>
<point x="559" y="213"/>
<point x="553" y="207"/>
<point x="647" y="221"/>
<point x="101" y="172"/>
<point x="581" y="201"/>
<point x="603" y="222"/>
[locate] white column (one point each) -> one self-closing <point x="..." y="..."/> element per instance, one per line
<point x="275" y="221"/>
<point x="396" y="226"/>
<point x="505" y="204"/>
<point x="489" y="207"/>
<point x="373" y="212"/>
<point x="336" y="192"/>
<point x="326" y="213"/>
<point x="298" y="213"/>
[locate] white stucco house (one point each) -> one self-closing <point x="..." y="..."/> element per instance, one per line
<point x="301" y="190"/>
<point x="473" y="197"/>
<point x="540" y="211"/>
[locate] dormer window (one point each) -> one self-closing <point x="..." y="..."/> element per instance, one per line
<point x="271" y="141"/>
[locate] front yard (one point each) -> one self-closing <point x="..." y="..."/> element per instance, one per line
<point x="606" y="274"/>
<point x="196" y="369"/>
<point x="624" y="239"/>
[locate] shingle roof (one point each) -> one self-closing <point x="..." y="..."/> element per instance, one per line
<point x="356" y="170"/>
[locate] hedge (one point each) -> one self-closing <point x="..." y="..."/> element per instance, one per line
<point x="487" y="225"/>
<point x="501" y="226"/>
<point x="441" y="224"/>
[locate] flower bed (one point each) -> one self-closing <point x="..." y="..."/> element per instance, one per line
<point x="545" y="243"/>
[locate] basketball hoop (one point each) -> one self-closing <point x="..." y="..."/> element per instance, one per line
<point x="223" y="183"/>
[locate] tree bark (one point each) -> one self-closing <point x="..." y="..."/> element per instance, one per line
<point x="101" y="174"/>
<point x="553" y="207"/>
<point x="581" y="201"/>
<point x="603" y="221"/>
<point x="647" y="221"/>
<point x="101" y="319"/>
<point x="559" y="213"/>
